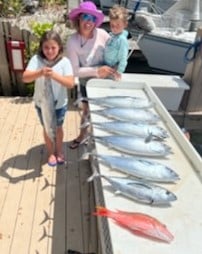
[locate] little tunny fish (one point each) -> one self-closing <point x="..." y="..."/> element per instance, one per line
<point x="137" y="190"/>
<point x="128" y="114"/>
<point x="119" y="101"/>
<point x="138" y="223"/>
<point x="138" y="129"/>
<point x="138" y="167"/>
<point x="47" y="102"/>
<point x="47" y="106"/>
<point x="135" y="145"/>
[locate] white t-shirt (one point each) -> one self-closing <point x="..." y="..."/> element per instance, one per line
<point x="63" y="67"/>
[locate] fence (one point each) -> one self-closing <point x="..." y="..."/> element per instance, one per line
<point x="11" y="81"/>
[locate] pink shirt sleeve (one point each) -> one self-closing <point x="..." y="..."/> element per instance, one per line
<point x="87" y="57"/>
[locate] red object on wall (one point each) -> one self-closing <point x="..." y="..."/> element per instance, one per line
<point x="16" y="54"/>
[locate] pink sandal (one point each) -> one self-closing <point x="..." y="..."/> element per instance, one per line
<point x="52" y="161"/>
<point x="61" y="159"/>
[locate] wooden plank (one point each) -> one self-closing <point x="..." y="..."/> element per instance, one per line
<point x="89" y="221"/>
<point x="49" y="208"/>
<point x="73" y="199"/>
<point x="12" y="175"/>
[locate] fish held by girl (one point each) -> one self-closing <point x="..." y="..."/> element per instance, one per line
<point x="138" y="223"/>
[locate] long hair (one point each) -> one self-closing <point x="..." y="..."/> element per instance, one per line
<point x="50" y="35"/>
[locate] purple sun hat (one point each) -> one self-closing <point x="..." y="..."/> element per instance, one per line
<point x="89" y="8"/>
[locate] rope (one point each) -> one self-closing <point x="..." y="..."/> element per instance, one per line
<point x="194" y="48"/>
<point x="137" y="5"/>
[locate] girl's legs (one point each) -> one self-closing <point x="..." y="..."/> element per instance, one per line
<point x="55" y="150"/>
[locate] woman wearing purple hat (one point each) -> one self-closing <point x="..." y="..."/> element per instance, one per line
<point x="85" y="49"/>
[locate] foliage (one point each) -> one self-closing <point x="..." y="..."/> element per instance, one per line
<point x="12" y="7"/>
<point x="16" y="7"/>
<point x="37" y="30"/>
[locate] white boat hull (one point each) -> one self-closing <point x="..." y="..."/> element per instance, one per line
<point x="164" y="53"/>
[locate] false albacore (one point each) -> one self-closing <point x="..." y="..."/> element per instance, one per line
<point x="138" y="190"/>
<point x="138" y="167"/>
<point x="126" y="128"/>
<point x="134" y="145"/>
<point x="47" y="102"/>
<point x="128" y="114"/>
<point x="118" y="101"/>
<point x="47" y="105"/>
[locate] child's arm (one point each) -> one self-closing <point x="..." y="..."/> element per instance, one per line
<point x="67" y="81"/>
<point x="123" y="55"/>
<point x="29" y="76"/>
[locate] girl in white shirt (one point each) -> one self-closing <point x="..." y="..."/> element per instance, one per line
<point x="53" y="74"/>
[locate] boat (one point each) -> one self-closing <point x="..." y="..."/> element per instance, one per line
<point x="170" y="35"/>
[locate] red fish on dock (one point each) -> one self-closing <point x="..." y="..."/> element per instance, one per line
<point x="139" y="223"/>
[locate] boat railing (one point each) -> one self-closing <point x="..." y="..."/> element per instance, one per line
<point x="161" y="19"/>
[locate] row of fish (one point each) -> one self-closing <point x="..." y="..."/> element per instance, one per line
<point x="134" y="133"/>
<point x="133" y="140"/>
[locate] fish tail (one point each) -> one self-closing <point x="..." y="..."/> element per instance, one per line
<point x="85" y="124"/>
<point x="94" y="174"/>
<point x="101" y="211"/>
<point x="76" y="103"/>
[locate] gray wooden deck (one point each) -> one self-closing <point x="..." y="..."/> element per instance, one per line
<point x="42" y="209"/>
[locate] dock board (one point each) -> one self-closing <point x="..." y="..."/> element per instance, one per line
<point x="42" y="209"/>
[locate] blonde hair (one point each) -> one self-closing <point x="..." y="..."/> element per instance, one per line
<point x="118" y="12"/>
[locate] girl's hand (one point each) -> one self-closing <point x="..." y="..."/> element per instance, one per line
<point x="47" y="72"/>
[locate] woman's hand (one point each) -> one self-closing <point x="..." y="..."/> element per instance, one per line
<point x="105" y="71"/>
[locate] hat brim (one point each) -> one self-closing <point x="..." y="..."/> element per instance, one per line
<point x="73" y="15"/>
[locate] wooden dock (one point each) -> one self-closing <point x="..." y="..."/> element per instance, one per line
<point x="42" y="209"/>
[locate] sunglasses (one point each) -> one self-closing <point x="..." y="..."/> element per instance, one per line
<point x="88" y="17"/>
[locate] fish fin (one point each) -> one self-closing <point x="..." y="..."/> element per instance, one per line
<point x="85" y="124"/>
<point x="84" y="156"/>
<point x="142" y="183"/>
<point x="117" y="192"/>
<point x="148" y="138"/>
<point x="94" y="174"/>
<point x="101" y="211"/>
